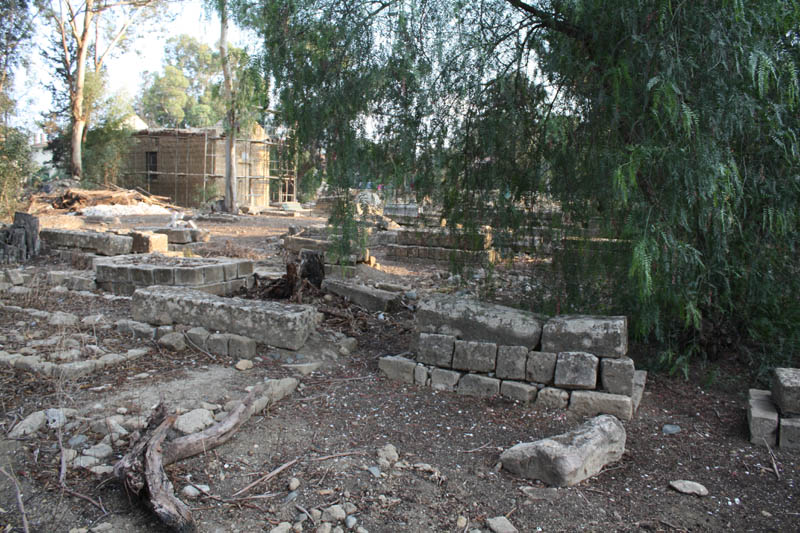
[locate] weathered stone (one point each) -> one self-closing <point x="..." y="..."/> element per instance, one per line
<point x="501" y="524"/>
<point x="474" y="320"/>
<point x="541" y="367"/>
<point x="511" y="362"/>
<point x="762" y="419"/>
<point x="437" y="350"/>
<point x="334" y="513"/>
<point x="576" y="370"/>
<point x="367" y="297"/>
<point x="85" y="461"/>
<point x="188" y="276"/>
<point x="568" y="459"/>
<point x="273" y="323"/>
<point x="444" y="380"/>
<point x="173" y="341"/>
<point x="591" y="403"/>
<point x="145" y="242"/>
<point x="552" y="398"/>
<point x="244" y="364"/>
<point x="639" y="380"/>
<point x="477" y="385"/>
<point x="194" y="421"/>
<point x="600" y="335"/>
<point x="29" y="425"/>
<point x="101" y="451"/>
<point x="274" y="391"/>
<point x="616" y="375"/>
<point x="239" y="346"/>
<point x="59" y="318"/>
<point x="520" y="392"/>
<point x="786" y="390"/>
<point x="397" y="368"/>
<point x="790" y="434"/>
<point x="475" y="356"/>
<point x="198" y="337"/>
<point x="422" y="375"/>
<point x="78" y="368"/>
<point x="176" y="235"/>
<point x="689" y="487"/>
<point x="217" y="343"/>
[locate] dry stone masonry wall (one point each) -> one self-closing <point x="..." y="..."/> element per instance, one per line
<point x="774" y="416"/>
<point x="480" y="349"/>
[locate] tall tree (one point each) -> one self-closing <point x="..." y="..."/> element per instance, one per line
<point x="16" y="19"/>
<point x="89" y="29"/>
<point x="231" y="127"/>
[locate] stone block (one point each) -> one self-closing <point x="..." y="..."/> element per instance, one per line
<point x="552" y="398"/>
<point x="639" y="379"/>
<point x="568" y="459"/>
<point x="473" y="320"/>
<point x="79" y="283"/>
<point x="576" y="370"/>
<point x="200" y="235"/>
<point x="176" y="235"/>
<point x="786" y="390"/>
<point x="475" y="356"/>
<point x="790" y="434"/>
<point x="604" y="336"/>
<point x="616" y="375"/>
<point x="111" y="272"/>
<point x="362" y="295"/>
<point x="541" y="367"/>
<point x="477" y="385"/>
<point x="163" y="275"/>
<point x="437" y="350"/>
<point x="444" y="380"/>
<point x="217" y="343"/>
<point x="762" y="419"/>
<point x="517" y="391"/>
<point x="230" y="270"/>
<point x="145" y="242"/>
<point x="244" y="269"/>
<point x="110" y="244"/>
<point x="398" y="368"/>
<point x="239" y="346"/>
<point x="213" y="274"/>
<point x="122" y="289"/>
<point x="511" y="362"/>
<point x="198" y="337"/>
<point x="142" y="275"/>
<point x="188" y="276"/>
<point x="422" y="375"/>
<point x="592" y="403"/>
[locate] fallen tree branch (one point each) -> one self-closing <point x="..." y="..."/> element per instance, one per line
<point x="20" y="505"/>
<point x="266" y="477"/>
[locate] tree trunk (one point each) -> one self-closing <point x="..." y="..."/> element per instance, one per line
<point x="230" y="144"/>
<point x="76" y="94"/>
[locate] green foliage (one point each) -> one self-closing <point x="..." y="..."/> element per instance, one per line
<point x="16" y="166"/>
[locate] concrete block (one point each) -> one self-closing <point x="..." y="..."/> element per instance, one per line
<point x="576" y="370"/>
<point x="243" y="347"/>
<point x="541" y="367"/>
<point x="422" y="375"/>
<point x="762" y="419"/>
<point x="367" y="297"/>
<point x="437" y="350"/>
<point x="477" y="385"/>
<point x="552" y="398"/>
<point x="602" y="336"/>
<point x="475" y="356"/>
<point x="511" y="362"/>
<point x="517" y="391"/>
<point x="398" y="368"/>
<point x="786" y="390"/>
<point x="790" y="434"/>
<point x="592" y="403"/>
<point x="616" y="375"/>
<point x="444" y="380"/>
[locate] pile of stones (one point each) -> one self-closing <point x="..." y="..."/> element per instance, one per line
<point x="480" y="349"/>
<point x="774" y="416"/>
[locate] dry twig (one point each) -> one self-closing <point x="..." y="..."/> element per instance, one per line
<point x="20" y="505"/>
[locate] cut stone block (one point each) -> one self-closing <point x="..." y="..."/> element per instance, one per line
<point x="367" y="297"/>
<point x="145" y="242"/>
<point x="520" y="392"/>
<point x="790" y="434"/>
<point x="639" y="380"/>
<point x="398" y="368"/>
<point x="786" y="390"/>
<point x="616" y="375"/>
<point x="479" y="321"/>
<point x="445" y="380"/>
<point x="176" y="236"/>
<point x="217" y="343"/>
<point x="198" y="337"/>
<point x="568" y="459"/>
<point x="274" y="323"/>
<point x="592" y="403"/>
<point x="762" y="419"/>
<point x="475" y="356"/>
<point x="188" y="276"/>
<point x="435" y="349"/>
<point x="552" y="398"/>
<point x="239" y="346"/>
<point x="511" y="362"/>
<point x="541" y="367"/>
<point x="477" y="385"/>
<point x="422" y="375"/>
<point x="576" y="370"/>
<point x="604" y="336"/>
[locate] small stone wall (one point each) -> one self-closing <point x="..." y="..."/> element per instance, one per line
<point x="441" y="245"/>
<point x="477" y="349"/>
<point x="87" y="241"/>
<point x="774" y="416"/>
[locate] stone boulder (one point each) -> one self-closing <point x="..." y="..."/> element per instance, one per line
<point x="568" y="459"/>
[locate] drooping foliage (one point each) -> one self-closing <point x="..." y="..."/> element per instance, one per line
<point x="668" y="129"/>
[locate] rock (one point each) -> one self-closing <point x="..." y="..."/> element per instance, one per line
<point x="616" y="375"/>
<point x="101" y="451"/>
<point x="193" y="491"/>
<point x="576" y="370"/>
<point x="304" y="369"/>
<point x="324" y="527"/>
<point x="540" y="493"/>
<point x="517" y="391"/>
<point x="283" y="527"/>
<point x="639" y="380"/>
<point x="602" y="336"/>
<point x="349" y="507"/>
<point x="334" y="513"/>
<point x="173" y="341"/>
<point x="591" y="403"/>
<point x="568" y="459"/>
<point x="77" y="441"/>
<point x="511" y="362"/>
<point x="294" y="484"/>
<point x="194" y="421"/>
<point x="274" y="391"/>
<point x="445" y="380"/>
<point x="367" y="297"/>
<point x="29" y="425"/>
<point x="350" y="522"/>
<point x="217" y="343"/>
<point x="670" y="429"/>
<point x="60" y="318"/>
<point x="99" y="528"/>
<point x="397" y="368"/>
<point x="56" y="418"/>
<point x="475" y="356"/>
<point x="786" y="390"/>
<point x="375" y="471"/>
<point x="541" y="367"/>
<point x="552" y="398"/>
<point x="689" y="487"/>
<point x="85" y="461"/>
<point x="198" y="337"/>
<point x="500" y="524"/>
<point x="244" y="364"/>
<point x="477" y="385"/>
<point x="435" y="349"/>
<point x="388" y="453"/>
<point x="762" y="419"/>
<point x="101" y="470"/>
<point x="461" y="522"/>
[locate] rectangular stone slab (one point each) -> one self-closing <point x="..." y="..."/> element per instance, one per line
<point x="786" y="390"/>
<point x="604" y="336"/>
<point x="277" y="324"/>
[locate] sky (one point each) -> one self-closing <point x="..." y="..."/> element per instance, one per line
<point x="125" y="70"/>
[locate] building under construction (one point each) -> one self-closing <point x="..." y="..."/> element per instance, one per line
<point x="188" y="165"/>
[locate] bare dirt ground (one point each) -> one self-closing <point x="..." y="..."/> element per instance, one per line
<point x="330" y="430"/>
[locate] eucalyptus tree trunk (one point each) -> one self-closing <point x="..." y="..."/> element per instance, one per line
<point x="230" y="120"/>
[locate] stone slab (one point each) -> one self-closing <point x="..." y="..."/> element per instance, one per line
<point x="790" y="434"/>
<point x="367" y="297"/>
<point x="517" y="391"/>
<point x="475" y="356"/>
<point x="639" y="380"/>
<point x="469" y="319"/>
<point x="616" y="375"/>
<point x="511" y="362"/>
<point x="445" y="380"/>
<point x="273" y="323"/>
<point x="541" y="367"/>
<point x="576" y="370"/>
<point x="552" y="398"/>
<point x="422" y="375"/>
<point x="398" y="368"/>
<point x="604" y="336"/>
<point x="786" y="390"/>
<point x="437" y="350"/>
<point x="762" y="419"/>
<point x="592" y="403"/>
<point x="477" y="385"/>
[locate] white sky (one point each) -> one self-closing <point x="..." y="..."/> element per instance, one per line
<point x="125" y="70"/>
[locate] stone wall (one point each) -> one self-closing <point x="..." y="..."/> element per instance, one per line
<point x="774" y="416"/>
<point x="479" y="349"/>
